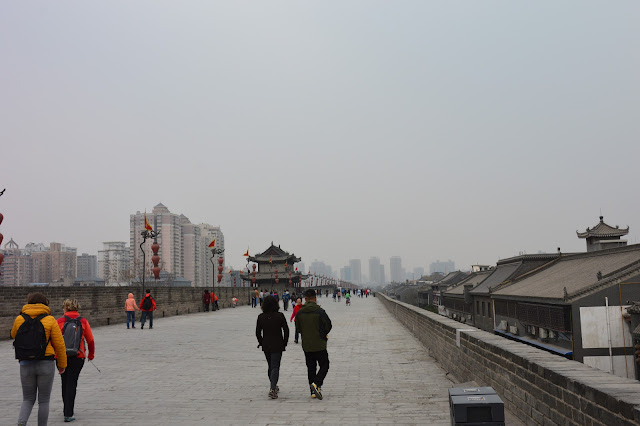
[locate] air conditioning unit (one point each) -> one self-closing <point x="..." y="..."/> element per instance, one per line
<point x="513" y="330"/>
<point x="454" y="316"/>
<point x="503" y="325"/>
<point x="543" y="333"/>
<point x="469" y="317"/>
<point x="552" y="334"/>
<point x="534" y="331"/>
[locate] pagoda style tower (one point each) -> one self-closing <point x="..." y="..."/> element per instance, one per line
<point x="275" y="266"/>
<point x="603" y="236"/>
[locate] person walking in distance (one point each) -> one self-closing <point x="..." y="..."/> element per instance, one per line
<point x="272" y="333"/>
<point x="293" y="316"/>
<point x="285" y="300"/>
<point x="39" y="346"/>
<point x="206" y="300"/>
<point x="254" y="299"/>
<point x="75" y="330"/>
<point x="148" y="305"/>
<point x="314" y="325"/>
<point x="130" y="308"/>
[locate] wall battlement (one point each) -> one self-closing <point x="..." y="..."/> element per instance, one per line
<point x="538" y="387"/>
<point x="105" y="305"/>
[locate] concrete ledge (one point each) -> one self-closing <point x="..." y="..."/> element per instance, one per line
<point x="105" y="305"/>
<point x="538" y="387"/>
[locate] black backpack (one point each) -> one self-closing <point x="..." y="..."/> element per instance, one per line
<point x="72" y="334"/>
<point x="147" y="304"/>
<point x="31" y="339"/>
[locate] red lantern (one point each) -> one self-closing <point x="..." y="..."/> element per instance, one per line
<point x="254" y="268"/>
<point x="253" y="280"/>
<point x="277" y="280"/>
<point x="219" y="278"/>
<point x="220" y="260"/>
<point x="1" y="218"/>
<point x="156" y="272"/>
<point x="219" y="269"/>
<point x="290" y="281"/>
<point x="1" y="238"/>
<point x="1" y="258"/>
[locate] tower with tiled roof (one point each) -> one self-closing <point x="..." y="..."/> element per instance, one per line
<point x="275" y="266"/>
<point x="603" y="236"/>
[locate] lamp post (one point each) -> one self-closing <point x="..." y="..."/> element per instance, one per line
<point x="219" y="252"/>
<point x="1" y="236"/>
<point x="146" y="234"/>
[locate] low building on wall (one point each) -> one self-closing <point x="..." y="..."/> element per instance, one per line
<point x="457" y="301"/>
<point x="574" y="306"/>
<point x="505" y="270"/>
<point x="432" y="293"/>
<point x="274" y="266"/>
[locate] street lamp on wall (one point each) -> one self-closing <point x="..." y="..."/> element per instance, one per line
<point x="146" y="234"/>
<point x="215" y="251"/>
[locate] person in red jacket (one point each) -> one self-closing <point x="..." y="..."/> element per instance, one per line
<point x="206" y="299"/>
<point x="74" y="363"/>
<point x="147" y="306"/>
<point x="293" y="316"/>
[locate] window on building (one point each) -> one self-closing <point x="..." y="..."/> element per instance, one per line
<point x="489" y="308"/>
<point x="477" y="308"/>
<point x="483" y="309"/>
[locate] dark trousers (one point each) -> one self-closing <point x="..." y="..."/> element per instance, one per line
<point x="70" y="384"/>
<point x="145" y="315"/>
<point x="320" y="358"/>
<point x="206" y="307"/>
<point x="131" y="315"/>
<point x="286" y="304"/>
<point x="273" y="367"/>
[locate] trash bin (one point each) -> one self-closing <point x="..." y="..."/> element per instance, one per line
<point x="478" y="406"/>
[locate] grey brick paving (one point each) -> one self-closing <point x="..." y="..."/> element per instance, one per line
<point x="205" y="369"/>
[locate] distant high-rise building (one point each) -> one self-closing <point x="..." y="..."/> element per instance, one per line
<point x="442" y="267"/>
<point x="374" y="270"/>
<point x="345" y="273"/>
<point x="318" y="267"/>
<point x="184" y="247"/>
<point x="356" y="271"/>
<point x="18" y="267"/>
<point x="395" y="269"/>
<point x="87" y="266"/>
<point x="418" y="272"/>
<point x="59" y="263"/>
<point x="301" y="267"/>
<point x="113" y="263"/>
<point x="382" y="275"/>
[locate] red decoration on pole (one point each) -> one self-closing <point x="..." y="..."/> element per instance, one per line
<point x="219" y="278"/>
<point x="156" y="272"/>
<point x="277" y="280"/>
<point x="1" y="218"/>
<point x="1" y="238"/>
<point x="155" y="259"/>
<point x="1" y="258"/>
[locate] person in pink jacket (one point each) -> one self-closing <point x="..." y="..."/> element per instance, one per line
<point x="131" y="307"/>
<point x="293" y="316"/>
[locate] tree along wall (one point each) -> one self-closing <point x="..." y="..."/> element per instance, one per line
<point x="105" y="305"/>
<point x="538" y="387"/>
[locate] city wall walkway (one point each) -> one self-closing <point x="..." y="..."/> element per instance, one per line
<point x="205" y="369"/>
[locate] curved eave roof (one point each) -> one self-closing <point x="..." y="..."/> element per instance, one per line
<point x="602" y="230"/>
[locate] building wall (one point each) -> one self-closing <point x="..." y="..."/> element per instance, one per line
<point x="374" y="270"/>
<point x="395" y="269"/>
<point x="483" y="313"/>
<point x="537" y="387"/>
<point x="113" y="263"/>
<point x="87" y="266"/>
<point x="355" y="267"/>
<point x="105" y="305"/>
<point x="17" y="269"/>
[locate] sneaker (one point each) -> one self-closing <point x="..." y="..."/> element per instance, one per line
<point x="295" y="341"/>
<point x="273" y="394"/>
<point x="142" y="327"/>
<point x="277" y="389"/>
<point x="316" y="391"/>
<point x="133" y="326"/>
<point x="69" y="419"/>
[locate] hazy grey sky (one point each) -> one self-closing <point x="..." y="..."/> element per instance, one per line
<point x="338" y="129"/>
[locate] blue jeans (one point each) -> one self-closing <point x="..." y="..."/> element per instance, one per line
<point x="131" y="315"/>
<point x="146" y="314"/>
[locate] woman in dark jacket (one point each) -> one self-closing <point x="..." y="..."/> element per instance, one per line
<point x="272" y="332"/>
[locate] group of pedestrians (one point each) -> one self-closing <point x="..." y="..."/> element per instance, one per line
<point x="147" y="306"/>
<point x="210" y="299"/>
<point x="312" y="323"/>
<point x="43" y="343"/>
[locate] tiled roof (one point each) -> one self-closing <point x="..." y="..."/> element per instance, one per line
<point x="452" y="278"/>
<point x="575" y="274"/>
<point x="498" y="275"/>
<point x="602" y="230"/>
<point x="636" y="332"/>
<point x="275" y="254"/>
<point x="474" y="279"/>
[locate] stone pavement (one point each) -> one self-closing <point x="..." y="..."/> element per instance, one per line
<point x="204" y="369"/>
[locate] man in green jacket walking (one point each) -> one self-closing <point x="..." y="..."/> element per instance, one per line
<point x="313" y="323"/>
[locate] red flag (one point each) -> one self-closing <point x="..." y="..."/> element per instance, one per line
<point x="296" y="269"/>
<point x="213" y="243"/>
<point x="285" y="263"/>
<point x="247" y="253"/>
<point x="147" y="226"/>
<point x="270" y="259"/>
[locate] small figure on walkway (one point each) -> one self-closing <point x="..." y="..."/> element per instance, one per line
<point x="272" y="333"/>
<point x="335" y="294"/>
<point x="75" y="330"/>
<point x="293" y="316"/>
<point x="130" y="307"/>
<point x="33" y="330"/>
<point x="347" y="298"/>
<point x="214" y="300"/>
<point x="314" y="324"/>
<point x="206" y="300"/>
<point x="339" y="295"/>
<point x="285" y="300"/>
<point x="255" y="298"/>
<point x="261" y="296"/>
<point x="148" y="305"/>
<point x="234" y="302"/>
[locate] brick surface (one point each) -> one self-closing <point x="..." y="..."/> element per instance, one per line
<point x="204" y="368"/>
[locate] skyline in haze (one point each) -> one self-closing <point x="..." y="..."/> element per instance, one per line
<point x="470" y="132"/>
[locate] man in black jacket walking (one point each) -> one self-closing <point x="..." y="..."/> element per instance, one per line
<point x="313" y="323"/>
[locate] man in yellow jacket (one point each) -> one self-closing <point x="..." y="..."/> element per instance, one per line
<point x="37" y="374"/>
